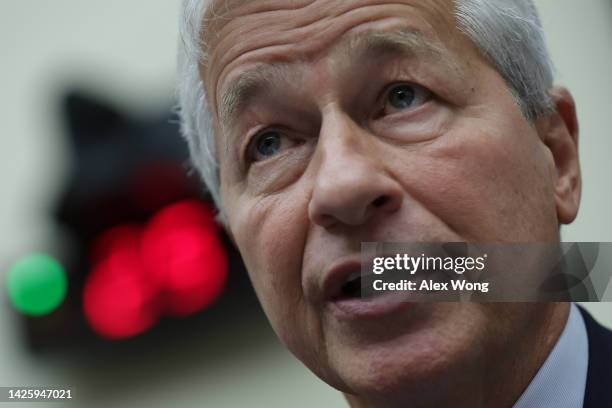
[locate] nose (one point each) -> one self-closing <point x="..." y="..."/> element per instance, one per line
<point x="352" y="185"/>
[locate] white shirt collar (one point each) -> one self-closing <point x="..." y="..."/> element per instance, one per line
<point x="561" y="380"/>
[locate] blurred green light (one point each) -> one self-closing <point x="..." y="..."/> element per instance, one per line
<point x="37" y="285"/>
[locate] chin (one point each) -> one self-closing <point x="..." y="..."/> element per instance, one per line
<point x="431" y="354"/>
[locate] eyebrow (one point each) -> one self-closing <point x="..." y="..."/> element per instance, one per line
<point x="372" y="44"/>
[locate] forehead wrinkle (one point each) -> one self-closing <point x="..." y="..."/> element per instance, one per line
<point x="403" y="41"/>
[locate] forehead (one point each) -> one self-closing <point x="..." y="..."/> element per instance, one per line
<point x="245" y="16"/>
<point x="238" y="32"/>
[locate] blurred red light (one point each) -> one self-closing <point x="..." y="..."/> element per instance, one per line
<point x="119" y="299"/>
<point x="181" y="250"/>
<point x="183" y="213"/>
<point x="177" y="265"/>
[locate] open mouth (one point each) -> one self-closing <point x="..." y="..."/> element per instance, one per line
<point x="350" y="301"/>
<point x="351" y="288"/>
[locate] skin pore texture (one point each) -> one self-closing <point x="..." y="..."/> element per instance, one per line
<point x="459" y="163"/>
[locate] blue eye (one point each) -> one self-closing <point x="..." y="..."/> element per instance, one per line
<point x="269" y="143"/>
<point x="404" y="97"/>
<point x="266" y="145"/>
<point x="401" y="97"/>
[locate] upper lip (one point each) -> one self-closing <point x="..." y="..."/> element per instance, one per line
<point x="336" y="276"/>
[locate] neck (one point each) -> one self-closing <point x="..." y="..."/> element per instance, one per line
<point x="501" y="379"/>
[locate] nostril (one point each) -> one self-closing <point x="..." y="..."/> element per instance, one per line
<point x="380" y="201"/>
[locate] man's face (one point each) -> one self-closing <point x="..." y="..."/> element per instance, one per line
<point x="342" y="122"/>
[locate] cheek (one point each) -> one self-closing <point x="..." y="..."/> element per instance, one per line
<point x="486" y="182"/>
<point x="270" y="234"/>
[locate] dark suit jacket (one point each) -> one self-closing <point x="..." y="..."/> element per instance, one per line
<point x="598" y="392"/>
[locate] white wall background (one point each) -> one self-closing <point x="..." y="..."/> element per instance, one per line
<point x="126" y="49"/>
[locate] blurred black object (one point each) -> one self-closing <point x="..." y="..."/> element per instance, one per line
<point x="123" y="170"/>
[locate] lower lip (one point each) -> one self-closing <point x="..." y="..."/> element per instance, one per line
<point x="362" y="308"/>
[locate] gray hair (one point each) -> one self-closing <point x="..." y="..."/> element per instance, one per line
<point x="508" y="33"/>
